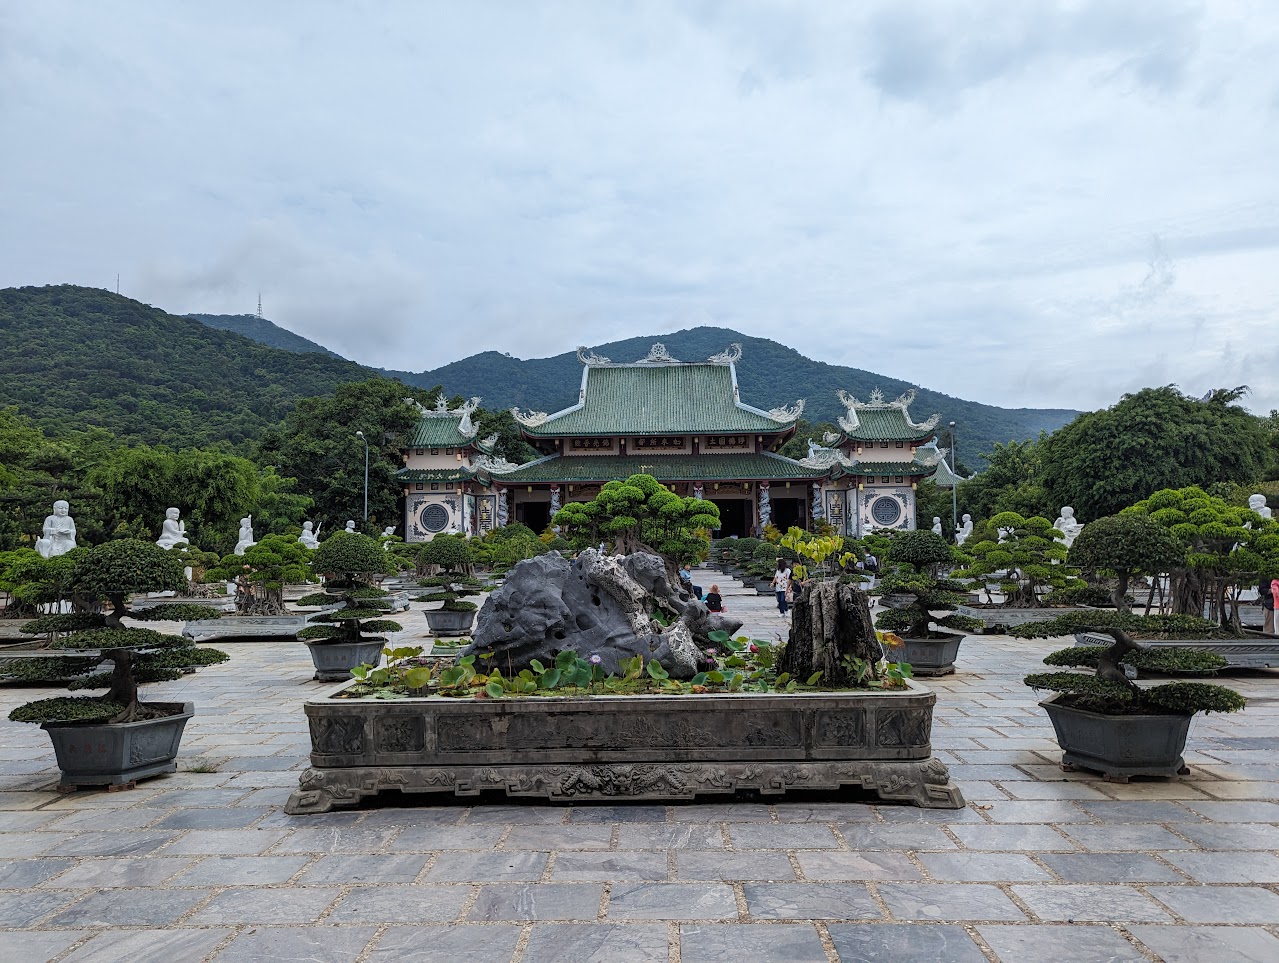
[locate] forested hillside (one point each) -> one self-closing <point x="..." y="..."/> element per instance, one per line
<point x="263" y="331"/>
<point x="769" y="374"/>
<point x="75" y="358"/>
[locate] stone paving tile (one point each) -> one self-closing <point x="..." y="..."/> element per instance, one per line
<point x="96" y="820"/>
<point x="1199" y="944"/>
<point x="459" y="867"/>
<point x="129" y="907"/>
<point x="1229" y="837"/>
<point x="618" y="814"/>
<point x="672" y="901"/>
<point x="233" y="907"/>
<point x="589" y="865"/>
<point x="110" y="844"/>
<point x="23" y="909"/>
<point x="1135" y="811"/>
<point x="1009" y="837"/>
<point x="1038" y="811"/>
<point x="668" y="836"/>
<point x="913" y="814"/>
<point x="1238" y="812"/>
<point x="810" y="901"/>
<point x="429" y="839"/>
<point x="32" y="946"/>
<point x="721" y="812"/>
<point x="948" y="901"/>
<point x="903" y="943"/>
<point x="528" y="815"/>
<point x="982" y="867"/>
<point x="1241" y="790"/>
<point x="1227" y="867"/>
<point x="759" y="943"/>
<point x="148" y="946"/>
<point x="1083" y="903"/>
<point x="546" y="838"/>
<point x="130" y="871"/>
<point x="312" y="944"/>
<point x="337" y="839"/>
<point x="1048" y="944"/>
<point x="241" y="871"/>
<point x="537" y="901"/>
<point x="1130" y="838"/>
<point x="189" y="798"/>
<point x="211" y="818"/>
<point x="31" y="844"/>
<point x="224" y="842"/>
<point x="596" y="943"/>
<point x="861" y="836"/>
<point x="818" y="865"/>
<point x="830" y="812"/>
<point x="401" y="904"/>
<point x="781" y="836"/>
<point x="733" y="866"/>
<point x="364" y="868"/>
<point x="447" y="944"/>
<point x="1110" y="868"/>
<point x="1209" y="904"/>
<point x="1051" y="790"/>
<point x="25" y="873"/>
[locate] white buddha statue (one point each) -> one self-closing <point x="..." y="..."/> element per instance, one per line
<point x="172" y="532"/>
<point x="1068" y="525"/>
<point x="309" y="538"/>
<point x="246" y="536"/>
<point x="965" y="529"/>
<point x="59" y="532"/>
<point x="350" y="526"/>
<point x="936" y="525"/>
<point x="1256" y="502"/>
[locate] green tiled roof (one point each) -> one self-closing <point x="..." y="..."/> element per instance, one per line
<point x="890" y="468"/>
<point x="887" y="424"/>
<point x="945" y="476"/>
<point x="434" y="474"/>
<point x="434" y="431"/>
<point x="602" y="468"/>
<point x="658" y="399"/>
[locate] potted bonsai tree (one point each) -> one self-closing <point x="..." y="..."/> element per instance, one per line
<point x="353" y="564"/>
<point x="911" y="589"/>
<point x="116" y="739"/>
<point x="452" y="554"/>
<point x="1127" y="545"/>
<point x="1105" y="722"/>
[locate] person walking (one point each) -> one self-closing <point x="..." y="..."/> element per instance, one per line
<point x="1266" y="595"/>
<point x="781" y="585"/>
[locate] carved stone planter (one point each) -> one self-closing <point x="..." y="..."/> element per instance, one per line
<point x="999" y="616"/>
<point x="1253" y="651"/>
<point x="930" y="656"/>
<point x="335" y="660"/>
<point x="442" y="622"/>
<point x="625" y="747"/>
<point x="118" y="753"/>
<point x="764" y="586"/>
<point x="1119" y="746"/>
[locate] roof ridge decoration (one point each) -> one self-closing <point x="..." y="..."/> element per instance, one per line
<point x="486" y="443"/>
<point x="876" y="400"/>
<point x="495" y="465"/>
<point x="588" y="357"/>
<point x="658" y="355"/>
<point x="930" y="457"/>
<point x="819" y="457"/>
<point x="830" y="438"/>
<point x="529" y="418"/>
<point x="730" y="355"/>
<point x="463" y="413"/>
<point x="787" y="413"/>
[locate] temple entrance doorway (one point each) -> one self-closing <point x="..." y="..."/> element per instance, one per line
<point x="536" y="515"/>
<point x="788" y="512"/>
<point x="734" y="517"/>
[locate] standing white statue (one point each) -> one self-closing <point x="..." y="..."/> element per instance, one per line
<point x="59" y="532"/>
<point x="246" y="536"/>
<point x="1256" y="502"/>
<point x="309" y="538"/>
<point x="965" y="529"/>
<point x="387" y="534"/>
<point x="172" y="532"/>
<point x="350" y="526"/>
<point x="1068" y="525"/>
<point x="936" y="525"/>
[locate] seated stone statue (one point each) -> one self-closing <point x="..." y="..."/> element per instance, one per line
<point x="172" y="532"/>
<point x="309" y="538"/>
<point x="59" y="532"/>
<point x="246" y="536"/>
<point x="1256" y="502"/>
<point x="965" y="529"/>
<point x="350" y="526"/>
<point x="1068" y="525"/>
<point x="936" y="525"/>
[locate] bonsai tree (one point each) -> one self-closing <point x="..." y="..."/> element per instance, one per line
<point x="1108" y="690"/>
<point x="913" y="561"/>
<point x="353" y="564"/>
<point x="452" y="553"/>
<point x="261" y="573"/>
<point x="1027" y="563"/>
<point x="31" y="581"/>
<point x="1133" y="544"/>
<point x="112" y="571"/>
<point x="1151" y="627"/>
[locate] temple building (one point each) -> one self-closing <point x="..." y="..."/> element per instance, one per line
<point x="686" y="424"/>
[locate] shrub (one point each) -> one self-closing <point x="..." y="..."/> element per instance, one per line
<point x="449" y="552"/>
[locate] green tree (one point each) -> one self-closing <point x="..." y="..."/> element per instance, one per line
<point x="1027" y="562"/>
<point x="913" y="562"/>
<point x="1132" y="544"/>
<point x="1156" y="439"/>
<point x="641" y="514"/>
<point x="1012" y="482"/>
<point x="261" y="573"/>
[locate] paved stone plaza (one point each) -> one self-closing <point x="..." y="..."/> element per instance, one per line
<point x="1041" y="865"/>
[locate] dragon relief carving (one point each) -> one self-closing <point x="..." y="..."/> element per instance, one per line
<point x="731" y="355"/>
<point x="529" y="419"/>
<point x="589" y="357"/>
<point x="787" y="413"/>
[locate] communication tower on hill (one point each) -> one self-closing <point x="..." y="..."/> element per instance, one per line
<point x="259" y="305"/>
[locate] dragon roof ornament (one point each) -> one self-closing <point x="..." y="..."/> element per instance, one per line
<point x="658" y="355"/>
<point x="876" y="401"/>
<point x="787" y="413"/>
<point x="730" y="355"/>
<point x="824" y="458"/>
<point x="830" y="438"/>
<point x="494" y="465"/>
<point x="441" y="410"/>
<point x="588" y="357"/>
<point x="486" y="443"/>
<point x="930" y="456"/>
<point x="529" y="419"/>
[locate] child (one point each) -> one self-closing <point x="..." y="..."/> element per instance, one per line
<point x="713" y="600"/>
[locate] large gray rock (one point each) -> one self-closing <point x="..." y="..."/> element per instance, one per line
<point x="594" y="605"/>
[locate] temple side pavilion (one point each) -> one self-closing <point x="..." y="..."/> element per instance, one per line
<point x="685" y="424"/>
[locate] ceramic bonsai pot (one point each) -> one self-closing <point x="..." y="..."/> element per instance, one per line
<point x="335" y="660"/>
<point x="930" y="656"/>
<point x="1119" y="746"/>
<point x="118" y="753"/>
<point x="446" y="622"/>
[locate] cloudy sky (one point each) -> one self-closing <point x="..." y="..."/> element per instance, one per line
<point x="1021" y="203"/>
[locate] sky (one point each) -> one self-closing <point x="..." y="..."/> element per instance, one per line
<point x="1020" y="203"/>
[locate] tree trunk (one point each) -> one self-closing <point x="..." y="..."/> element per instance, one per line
<point x="831" y="621"/>
<point x="119" y="609"/>
<point x="124" y="688"/>
<point x="1121" y="589"/>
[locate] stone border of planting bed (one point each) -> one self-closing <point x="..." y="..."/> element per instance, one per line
<point x="1258" y="652"/>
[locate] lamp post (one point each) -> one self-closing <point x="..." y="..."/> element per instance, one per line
<point x="360" y="435"/>
<point x="954" y="483"/>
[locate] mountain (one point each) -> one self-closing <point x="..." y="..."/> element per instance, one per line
<point x="263" y="331"/>
<point x="74" y="357"/>
<point x="769" y="375"/>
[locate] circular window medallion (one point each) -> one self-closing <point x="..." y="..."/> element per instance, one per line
<point x="886" y="511"/>
<point x="435" y="518"/>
